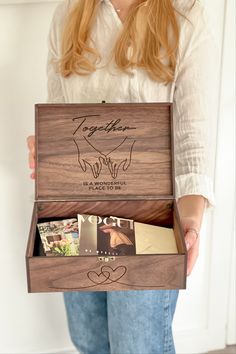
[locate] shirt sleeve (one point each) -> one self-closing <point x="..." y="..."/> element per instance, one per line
<point x="54" y="83"/>
<point x="193" y="107"/>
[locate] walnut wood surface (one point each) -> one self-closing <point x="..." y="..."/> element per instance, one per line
<point x="33" y="226"/>
<point x="157" y="212"/>
<point x="179" y="238"/>
<point x="91" y="274"/>
<point x="113" y="150"/>
<point x="50" y="274"/>
<point x="178" y="230"/>
<point x="31" y="243"/>
<point x="141" y="190"/>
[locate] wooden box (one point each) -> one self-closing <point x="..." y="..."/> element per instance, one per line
<point x="105" y="159"/>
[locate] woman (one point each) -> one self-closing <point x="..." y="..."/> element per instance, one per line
<point x="137" y="51"/>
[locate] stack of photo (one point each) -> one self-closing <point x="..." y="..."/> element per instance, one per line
<point x="60" y="237"/>
<point x="92" y="235"/>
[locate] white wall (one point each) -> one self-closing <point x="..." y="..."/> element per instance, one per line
<point x="205" y="307"/>
<point x="33" y="323"/>
<point x="29" y="323"/>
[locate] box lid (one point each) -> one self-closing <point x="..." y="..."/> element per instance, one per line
<point x="104" y="151"/>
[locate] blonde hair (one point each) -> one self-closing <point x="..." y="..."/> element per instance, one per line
<point x="150" y="29"/>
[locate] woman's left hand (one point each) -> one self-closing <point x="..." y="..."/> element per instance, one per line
<point x="191" y="209"/>
<point x="192" y="241"/>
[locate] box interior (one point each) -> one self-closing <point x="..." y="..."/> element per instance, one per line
<point x="154" y="212"/>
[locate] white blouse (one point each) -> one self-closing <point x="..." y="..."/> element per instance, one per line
<point x="190" y="92"/>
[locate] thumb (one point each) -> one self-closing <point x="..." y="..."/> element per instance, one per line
<point x="191" y="236"/>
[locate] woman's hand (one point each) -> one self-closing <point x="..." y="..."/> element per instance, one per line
<point x="191" y="232"/>
<point x="31" y="147"/>
<point x="191" y="208"/>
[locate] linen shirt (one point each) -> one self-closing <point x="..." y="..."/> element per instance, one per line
<point x="190" y="92"/>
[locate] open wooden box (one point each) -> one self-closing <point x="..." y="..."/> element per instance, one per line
<point x="105" y="159"/>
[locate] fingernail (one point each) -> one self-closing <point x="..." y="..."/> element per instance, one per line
<point x="187" y="245"/>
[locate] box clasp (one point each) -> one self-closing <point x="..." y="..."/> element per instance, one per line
<point x="106" y="259"/>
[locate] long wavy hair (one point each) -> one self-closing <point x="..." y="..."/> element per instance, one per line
<point x="151" y="30"/>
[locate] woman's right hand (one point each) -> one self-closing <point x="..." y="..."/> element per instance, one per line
<point x="31" y="147"/>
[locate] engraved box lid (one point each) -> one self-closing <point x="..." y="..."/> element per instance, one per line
<point x="104" y="151"/>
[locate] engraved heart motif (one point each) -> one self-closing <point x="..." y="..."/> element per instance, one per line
<point x="98" y="278"/>
<point x="107" y="275"/>
<point x="114" y="274"/>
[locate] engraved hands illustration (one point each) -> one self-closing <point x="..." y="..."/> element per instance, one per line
<point x="90" y="156"/>
<point x="120" y="157"/>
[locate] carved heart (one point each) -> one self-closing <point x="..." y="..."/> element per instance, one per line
<point x="98" y="278"/>
<point x="114" y="274"/>
<point x="107" y="275"/>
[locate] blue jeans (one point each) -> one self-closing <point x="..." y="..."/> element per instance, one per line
<point x="122" y="322"/>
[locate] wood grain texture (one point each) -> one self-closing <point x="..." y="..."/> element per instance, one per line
<point x="159" y="212"/>
<point x="91" y="274"/>
<point x="113" y="150"/>
<point x="112" y="159"/>
<point x="178" y="230"/>
<point x="32" y="232"/>
<point x="179" y="238"/>
<point x="162" y="271"/>
<point x="31" y="243"/>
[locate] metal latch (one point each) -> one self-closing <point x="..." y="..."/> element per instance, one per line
<point x="106" y="259"/>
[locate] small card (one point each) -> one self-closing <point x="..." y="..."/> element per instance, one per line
<point x="152" y="239"/>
